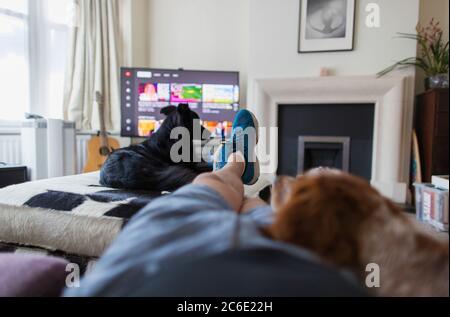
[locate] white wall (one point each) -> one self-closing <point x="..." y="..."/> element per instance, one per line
<point x="134" y="26"/>
<point x="274" y="41"/>
<point x="259" y="38"/>
<point x="274" y="31"/>
<point x="200" y="34"/>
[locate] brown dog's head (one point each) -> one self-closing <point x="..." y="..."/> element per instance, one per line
<point x="349" y="224"/>
<point x="325" y="211"/>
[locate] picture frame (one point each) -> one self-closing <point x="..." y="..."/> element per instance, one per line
<point x="326" y="26"/>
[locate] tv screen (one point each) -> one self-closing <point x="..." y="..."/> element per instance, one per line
<point x="213" y="95"/>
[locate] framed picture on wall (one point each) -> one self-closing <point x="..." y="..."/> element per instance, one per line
<point x="326" y="25"/>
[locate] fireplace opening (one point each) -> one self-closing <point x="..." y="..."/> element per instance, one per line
<point x="342" y="137"/>
<point x="322" y="151"/>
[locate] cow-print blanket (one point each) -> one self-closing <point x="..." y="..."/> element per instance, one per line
<point x="71" y="215"/>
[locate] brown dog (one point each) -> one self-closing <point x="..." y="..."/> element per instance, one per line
<point x="350" y="225"/>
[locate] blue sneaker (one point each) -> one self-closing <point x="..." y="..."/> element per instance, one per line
<point x="244" y="138"/>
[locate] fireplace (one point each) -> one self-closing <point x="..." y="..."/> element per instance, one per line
<point x="325" y="135"/>
<point x="387" y="152"/>
<point x="322" y="151"/>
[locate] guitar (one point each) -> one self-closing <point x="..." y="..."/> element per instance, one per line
<point x="99" y="146"/>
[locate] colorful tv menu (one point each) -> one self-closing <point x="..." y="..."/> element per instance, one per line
<point x="213" y="95"/>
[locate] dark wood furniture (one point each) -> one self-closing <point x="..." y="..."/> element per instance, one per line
<point x="432" y="132"/>
<point x="11" y="175"/>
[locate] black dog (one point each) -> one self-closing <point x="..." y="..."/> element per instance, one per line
<point x="148" y="166"/>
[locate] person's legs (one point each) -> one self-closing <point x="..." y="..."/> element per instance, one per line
<point x="252" y="203"/>
<point x="227" y="181"/>
<point x="244" y="137"/>
<point x="235" y="161"/>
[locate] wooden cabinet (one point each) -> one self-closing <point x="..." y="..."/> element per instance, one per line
<point x="432" y="132"/>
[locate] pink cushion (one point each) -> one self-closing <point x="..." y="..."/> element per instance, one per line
<point x="31" y="275"/>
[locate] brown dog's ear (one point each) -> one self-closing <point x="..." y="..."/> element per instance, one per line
<point x="281" y="191"/>
<point x="168" y="110"/>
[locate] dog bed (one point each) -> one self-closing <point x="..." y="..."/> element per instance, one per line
<point x="70" y="215"/>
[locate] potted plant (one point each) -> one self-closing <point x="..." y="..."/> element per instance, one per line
<point x="433" y="55"/>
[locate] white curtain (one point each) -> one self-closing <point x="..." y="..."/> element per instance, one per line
<point x="93" y="65"/>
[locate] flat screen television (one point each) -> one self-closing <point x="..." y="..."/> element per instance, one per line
<point x="213" y="95"/>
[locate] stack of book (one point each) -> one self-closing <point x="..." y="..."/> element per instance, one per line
<point x="432" y="202"/>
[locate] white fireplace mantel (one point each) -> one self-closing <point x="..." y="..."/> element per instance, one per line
<point x="393" y="99"/>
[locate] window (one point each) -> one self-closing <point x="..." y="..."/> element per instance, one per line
<point x="33" y="41"/>
<point x="14" y="74"/>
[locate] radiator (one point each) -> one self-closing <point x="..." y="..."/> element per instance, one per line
<point x="11" y="148"/>
<point x="48" y="148"/>
<point x="82" y="142"/>
<point x="10" y="151"/>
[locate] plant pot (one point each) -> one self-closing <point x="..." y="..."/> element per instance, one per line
<point x="436" y="81"/>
